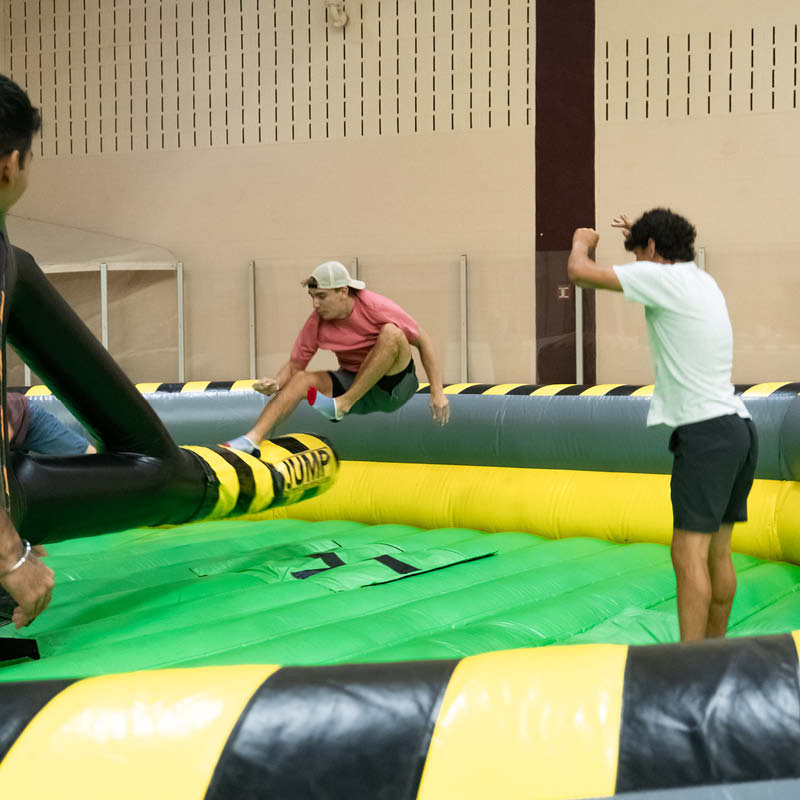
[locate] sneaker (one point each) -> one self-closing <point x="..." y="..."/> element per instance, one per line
<point x="245" y="445"/>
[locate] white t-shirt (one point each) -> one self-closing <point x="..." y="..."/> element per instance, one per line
<point x="690" y="338"/>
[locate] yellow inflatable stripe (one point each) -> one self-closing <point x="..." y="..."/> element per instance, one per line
<point x="194" y="386"/>
<point x="457" y="388"/>
<point x="600" y="389"/>
<point x="796" y="637"/>
<point x="273" y="453"/>
<point x="242" y="386"/>
<point x="643" y="391"/>
<point x="423" y="386"/>
<point x="503" y="388"/>
<point x="226" y="475"/>
<point x="37" y="391"/>
<point x="265" y="489"/>
<point x="154" y="735"/>
<point x="763" y="389"/>
<point x="147" y="388"/>
<point x="530" y="724"/>
<point x="550" y="389"/>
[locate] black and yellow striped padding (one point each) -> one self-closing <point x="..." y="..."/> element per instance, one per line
<point x="600" y="390"/>
<point x="555" y="722"/>
<point x="289" y="469"/>
<point x="531" y="389"/>
<point x="170" y="388"/>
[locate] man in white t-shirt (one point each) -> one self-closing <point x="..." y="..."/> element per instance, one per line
<point x="713" y="441"/>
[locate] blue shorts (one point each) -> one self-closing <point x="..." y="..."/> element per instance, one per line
<point x="47" y="435"/>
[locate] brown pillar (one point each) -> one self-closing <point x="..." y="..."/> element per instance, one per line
<point x="565" y="32"/>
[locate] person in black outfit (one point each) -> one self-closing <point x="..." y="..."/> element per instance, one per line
<point x="22" y="573"/>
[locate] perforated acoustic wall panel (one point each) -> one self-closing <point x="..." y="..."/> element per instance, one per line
<point x="5" y="8"/>
<point x="696" y="109"/>
<point x="725" y="70"/>
<point x="140" y="75"/>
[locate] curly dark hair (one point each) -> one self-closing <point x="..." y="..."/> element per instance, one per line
<point x="673" y="234"/>
<point x="19" y="120"/>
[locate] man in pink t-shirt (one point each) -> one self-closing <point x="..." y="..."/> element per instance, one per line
<point x="371" y="337"/>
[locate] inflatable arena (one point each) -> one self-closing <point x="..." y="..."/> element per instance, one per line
<point x="486" y="605"/>
<point x="339" y="583"/>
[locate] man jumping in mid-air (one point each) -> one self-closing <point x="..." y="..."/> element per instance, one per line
<point x="371" y="337"/>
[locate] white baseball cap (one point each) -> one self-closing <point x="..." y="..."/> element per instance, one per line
<point x="333" y="275"/>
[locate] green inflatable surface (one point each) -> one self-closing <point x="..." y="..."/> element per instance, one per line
<point x="292" y="592"/>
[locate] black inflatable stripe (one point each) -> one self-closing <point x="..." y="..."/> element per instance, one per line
<point x="526" y="388"/>
<point x="247" y="481"/>
<point x="340" y="732"/>
<point x="717" y="711"/>
<point x="622" y="391"/>
<point x="20" y="704"/>
<point x="742" y="387"/>
<point x="13" y="649"/>
<point x="290" y="443"/>
<point x="570" y="391"/>
<point x="789" y="388"/>
<point x="212" y="489"/>
<point x="218" y="385"/>
<point x="331" y="559"/>
<point x="170" y="387"/>
<point x="400" y="567"/>
<point x="302" y="574"/>
<point x="478" y="388"/>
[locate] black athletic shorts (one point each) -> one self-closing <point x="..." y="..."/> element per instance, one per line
<point x="712" y="471"/>
<point x="388" y="394"/>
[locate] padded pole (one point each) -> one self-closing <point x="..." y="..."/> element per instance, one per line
<point x="181" y="339"/>
<point x="251" y="287"/>
<point x="104" y="305"/>
<point x="464" y="349"/>
<point x="578" y="335"/>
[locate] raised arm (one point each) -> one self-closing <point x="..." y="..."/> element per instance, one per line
<point x="623" y="222"/>
<point x="583" y="271"/>
<point x="440" y="405"/>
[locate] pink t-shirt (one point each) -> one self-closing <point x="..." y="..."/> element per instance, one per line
<point x="352" y="338"/>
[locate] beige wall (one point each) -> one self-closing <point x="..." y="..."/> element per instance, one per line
<point x="405" y="149"/>
<point x="730" y="168"/>
<point x="404" y="142"/>
<point x="5" y="6"/>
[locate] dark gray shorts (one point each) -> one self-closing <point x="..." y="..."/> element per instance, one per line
<point x="712" y="472"/>
<point x="388" y="394"/>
